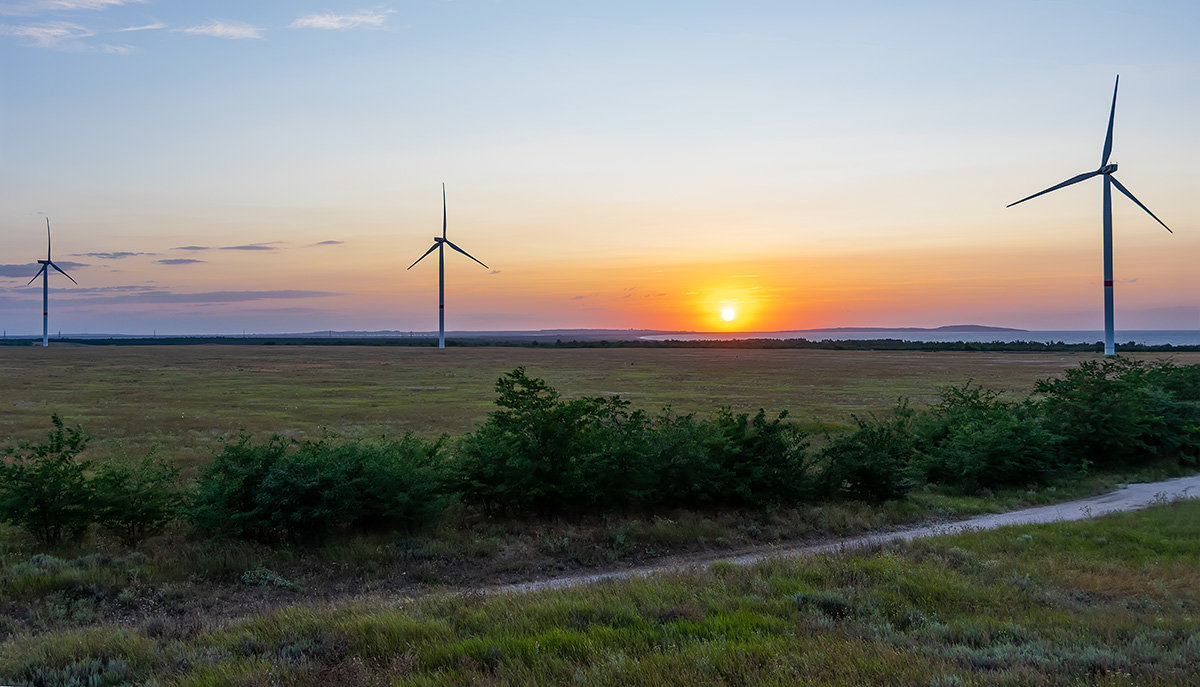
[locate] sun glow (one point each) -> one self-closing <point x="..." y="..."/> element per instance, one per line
<point x="728" y="313"/>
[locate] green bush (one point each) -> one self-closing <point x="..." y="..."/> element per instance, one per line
<point x="542" y="454"/>
<point x="870" y="463"/>
<point x="973" y="439"/>
<point x="1106" y="413"/>
<point x="763" y="462"/>
<point x="134" y="499"/>
<point x="44" y="487"/>
<point x="305" y="490"/>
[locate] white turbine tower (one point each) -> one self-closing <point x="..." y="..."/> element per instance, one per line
<point x="439" y="244"/>
<point x="44" y="273"/>
<point x="1106" y="170"/>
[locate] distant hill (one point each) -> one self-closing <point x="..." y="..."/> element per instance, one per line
<point x="946" y="328"/>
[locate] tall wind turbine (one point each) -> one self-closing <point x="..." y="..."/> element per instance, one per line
<point x="439" y="244"/>
<point x="1106" y="170"/>
<point x="44" y="273"/>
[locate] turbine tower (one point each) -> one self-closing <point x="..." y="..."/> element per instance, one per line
<point x="439" y="244"/>
<point x="1106" y="170"/>
<point x="44" y="273"/>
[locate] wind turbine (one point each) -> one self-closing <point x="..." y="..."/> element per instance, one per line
<point x="439" y="244"/>
<point x="1106" y="170"/>
<point x="44" y="273"/>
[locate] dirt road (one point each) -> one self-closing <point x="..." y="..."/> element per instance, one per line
<point x="1127" y="498"/>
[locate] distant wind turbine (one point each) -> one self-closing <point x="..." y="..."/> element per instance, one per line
<point x="1106" y="170"/>
<point x="44" y="273"/>
<point x="439" y="244"/>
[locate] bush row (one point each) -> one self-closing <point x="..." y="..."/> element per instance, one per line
<point x="543" y="454"/>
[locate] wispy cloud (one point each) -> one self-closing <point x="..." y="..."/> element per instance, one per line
<point x="118" y="255"/>
<point x="341" y="22"/>
<point x="49" y="35"/>
<point x="192" y="248"/>
<point x="328" y="243"/>
<point x="163" y="296"/>
<point x="233" y="30"/>
<point x="144" y="27"/>
<point x="29" y="7"/>
<point x="178" y="261"/>
<point x="251" y="246"/>
<point x="120" y="49"/>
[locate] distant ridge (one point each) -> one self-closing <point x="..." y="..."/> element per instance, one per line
<point x="945" y="328"/>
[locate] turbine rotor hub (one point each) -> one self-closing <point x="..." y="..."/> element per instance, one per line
<point x="1108" y="169"/>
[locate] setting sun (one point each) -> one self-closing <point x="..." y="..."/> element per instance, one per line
<point x="728" y="313"/>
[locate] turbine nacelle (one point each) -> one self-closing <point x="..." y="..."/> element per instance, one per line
<point x="1108" y="169"/>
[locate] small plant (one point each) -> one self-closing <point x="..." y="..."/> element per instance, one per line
<point x="261" y="576"/>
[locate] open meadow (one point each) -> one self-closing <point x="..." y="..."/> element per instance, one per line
<point x="261" y="558"/>
<point x="183" y="402"/>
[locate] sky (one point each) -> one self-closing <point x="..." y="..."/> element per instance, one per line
<point x="275" y="166"/>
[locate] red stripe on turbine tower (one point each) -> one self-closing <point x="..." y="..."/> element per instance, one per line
<point x="1108" y="282"/>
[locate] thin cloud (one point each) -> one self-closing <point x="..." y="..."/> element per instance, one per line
<point x="494" y="272"/>
<point x="50" y="35"/>
<point x="192" y="248"/>
<point x="341" y="22"/>
<point x="251" y="246"/>
<point x="118" y="255"/>
<point x="145" y="27"/>
<point x="203" y="298"/>
<point x="232" y="30"/>
<point x="28" y="7"/>
<point x="122" y="49"/>
<point x="178" y="261"/>
<point x="329" y="243"/>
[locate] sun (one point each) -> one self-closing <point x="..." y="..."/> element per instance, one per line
<point x="728" y="313"/>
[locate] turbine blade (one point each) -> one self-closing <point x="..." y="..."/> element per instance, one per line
<point x="39" y="273"/>
<point x="431" y="249"/>
<point x="1111" y="114"/>
<point x="1129" y="195"/>
<point x="464" y="252"/>
<point x="443" y="209"/>
<point x="47" y="238"/>
<point x="1068" y="182"/>
<point x="64" y="273"/>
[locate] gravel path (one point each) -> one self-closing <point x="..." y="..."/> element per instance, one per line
<point x="1127" y="498"/>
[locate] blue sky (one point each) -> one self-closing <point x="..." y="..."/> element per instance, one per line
<point x="617" y="164"/>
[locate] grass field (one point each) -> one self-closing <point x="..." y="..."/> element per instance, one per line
<point x="1114" y="601"/>
<point x="184" y="400"/>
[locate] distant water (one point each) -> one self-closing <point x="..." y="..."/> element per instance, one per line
<point x="1151" y="337"/>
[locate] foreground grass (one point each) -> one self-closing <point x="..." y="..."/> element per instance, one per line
<point x="1111" y="601"/>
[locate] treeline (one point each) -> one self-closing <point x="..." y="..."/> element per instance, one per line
<point x="539" y="453"/>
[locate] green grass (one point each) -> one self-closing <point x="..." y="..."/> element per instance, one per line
<point x="1112" y="601"/>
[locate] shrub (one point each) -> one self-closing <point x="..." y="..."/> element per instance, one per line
<point x="763" y="462"/>
<point x="870" y="463"/>
<point x="135" y="498"/>
<point x="44" y="488"/>
<point x="539" y="453"/>
<point x="543" y="454"/>
<point x="305" y="490"/>
<point x="1105" y="412"/>
<point x="973" y="439"/>
<point x="226" y="496"/>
